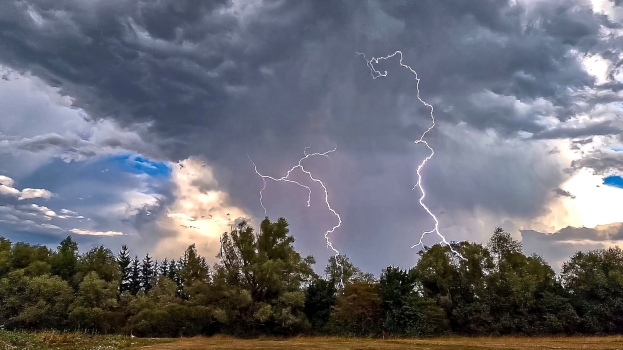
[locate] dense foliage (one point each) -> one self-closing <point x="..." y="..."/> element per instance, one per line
<point x="262" y="285"/>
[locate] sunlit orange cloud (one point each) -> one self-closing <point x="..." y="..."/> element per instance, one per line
<point x="199" y="214"/>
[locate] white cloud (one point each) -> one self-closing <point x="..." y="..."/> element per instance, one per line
<point x="7" y="189"/>
<point x="596" y="66"/>
<point x="31" y="218"/>
<point x="95" y="233"/>
<point x="51" y="227"/>
<point x="30" y="193"/>
<point x="6" y="181"/>
<point x="69" y="214"/>
<point x="38" y="209"/>
<point x="608" y="8"/>
<point x="38" y="122"/>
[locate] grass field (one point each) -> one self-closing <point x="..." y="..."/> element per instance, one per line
<point x="79" y="341"/>
<point x="450" y="343"/>
<point x="70" y="341"/>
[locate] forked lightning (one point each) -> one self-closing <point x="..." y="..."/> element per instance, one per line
<point x="286" y="178"/>
<point x="377" y="74"/>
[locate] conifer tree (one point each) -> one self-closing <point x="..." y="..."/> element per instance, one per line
<point x="172" y="272"/>
<point x="124" y="261"/>
<point x="147" y="273"/>
<point x="196" y="269"/>
<point x="164" y="268"/>
<point x="135" y="276"/>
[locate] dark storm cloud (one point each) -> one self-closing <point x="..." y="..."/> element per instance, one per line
<point x="221" y="80"/>
<point x="554" y="150"/>
<point x="201" y="71"/>
<point x="562" y="193"/>
<point x="602" y="162"/>
<point x="607" y="127"/>
<point x="72" y="146"/>
<point x="51" y="141"/>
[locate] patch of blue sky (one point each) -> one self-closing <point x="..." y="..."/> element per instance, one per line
<point x="137" y="164"/>
<point x="617" y="148"/>
<point x="614" y="181"/>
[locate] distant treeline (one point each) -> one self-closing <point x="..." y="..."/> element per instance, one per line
<point x="261" y="285"/>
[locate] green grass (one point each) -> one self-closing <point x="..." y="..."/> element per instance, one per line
<point x="70" y="341"/>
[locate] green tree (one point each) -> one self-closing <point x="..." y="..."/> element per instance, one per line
<point x="175" y="268"/>
<point x="502" y="245"/>
<point x="45" y="302"/>
<point x="124" y="261"/>
<point x="135" y="276"/>
<point x="33" y="302"/>
<point x="196" y="269"/>
<point x="518" y="287"/>
<point x="358" y="310"/>
<point x="5" y="256"/>
<point x="471" y="314"/>
<point x="164" y="292"/>
<point x="164" y="268"/>
<point x="262" y="275"/>
<point x="12" y="293"/>
<point x="95" y="305"/>
<point x="399" y="298"/>
<point x="102" y="261"/>
<point x="147" y="273"/>
<point x="172" y="272"/>
<point x="24" y="254"/>
<point x="342" y="271"/>
<point x="64" y="263"/>
<point x="595" y="282"/>
<point x="320" y="298"/>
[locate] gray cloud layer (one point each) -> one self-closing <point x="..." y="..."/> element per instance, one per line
<point x="559" y="246"/>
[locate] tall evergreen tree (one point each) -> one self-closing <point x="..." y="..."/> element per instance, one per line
<point x="147" y="273"/>
<point x="196" y="268"/>
<point x="125" y="261"/>
<point x="172" y="272"/>
<point x="135" y="276"/>
<point x="164" y="268"/>
<point x="175" y="269"/>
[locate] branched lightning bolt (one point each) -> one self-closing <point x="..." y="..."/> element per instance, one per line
<point x="286" y="178"/>
<point x="377" y="74"/>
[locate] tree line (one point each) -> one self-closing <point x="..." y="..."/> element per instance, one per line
<point x="262" y="285"/>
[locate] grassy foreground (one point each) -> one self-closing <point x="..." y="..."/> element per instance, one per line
<point x="448" y="343"/>
<point x="80" y="341"/>
<point x="70" y="341"/>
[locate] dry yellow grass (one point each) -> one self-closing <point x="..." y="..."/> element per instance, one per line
<point x="448" y="343"/>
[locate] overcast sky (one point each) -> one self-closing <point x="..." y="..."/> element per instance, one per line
<point x="135" y="122"/>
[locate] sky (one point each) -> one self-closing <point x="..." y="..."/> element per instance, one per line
<point x="138" y="123"/>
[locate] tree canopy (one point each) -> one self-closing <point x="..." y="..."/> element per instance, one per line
<point x="260" y="284"/>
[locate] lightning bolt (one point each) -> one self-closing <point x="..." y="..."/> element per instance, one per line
<point x="377" y="74"/>
<point x="286" y="178"/>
